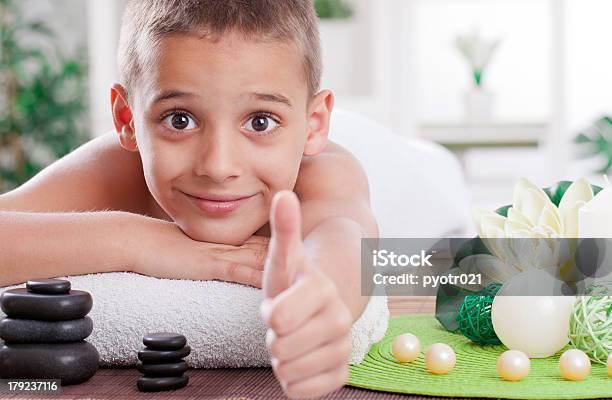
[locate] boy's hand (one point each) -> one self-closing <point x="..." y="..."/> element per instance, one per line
<point x="165" y="251"/>
<point x="309" y="324"/>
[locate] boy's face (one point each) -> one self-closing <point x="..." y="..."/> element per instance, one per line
<point x="221" y="126"/>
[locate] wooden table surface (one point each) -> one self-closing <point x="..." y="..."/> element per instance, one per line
<point x="404" y="305"/>
<point x="224" y="384"/>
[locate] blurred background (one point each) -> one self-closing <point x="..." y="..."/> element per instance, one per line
<point x="514" y="88"/>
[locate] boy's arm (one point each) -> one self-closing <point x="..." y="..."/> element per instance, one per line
<point x="45" y="245"/>
<point x="312" y="291"/>
<point x="334" y="195"/>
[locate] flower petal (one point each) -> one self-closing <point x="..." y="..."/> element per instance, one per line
<point x="492" y="225"/>
<point x="579" y="192"/>
<point x="531" y="203"/>
<point x="522" y="186"/>
<point x="550" y="218"/>
<point x="516" y="215"/>
<point x="491" y="268"/>
<point x="516" y="229"/>
<point x="570" y="221"/>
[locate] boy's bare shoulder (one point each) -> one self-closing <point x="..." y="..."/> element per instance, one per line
<point x="99" y="175"/>
<point x="331" y="172"/>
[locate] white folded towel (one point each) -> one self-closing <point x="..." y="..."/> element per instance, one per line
<point x="220" y="320"/>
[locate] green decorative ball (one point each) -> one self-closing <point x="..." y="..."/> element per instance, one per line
<point x="591" y="327"/>
<point x="474" y="318"/>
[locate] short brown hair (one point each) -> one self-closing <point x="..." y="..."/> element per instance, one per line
<point x="145" y="22"/>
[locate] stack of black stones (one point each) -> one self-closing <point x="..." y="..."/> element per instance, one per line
<point x="44" y="333"/>
<point x="161" y="362"/>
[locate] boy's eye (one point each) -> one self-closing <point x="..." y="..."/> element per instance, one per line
<point x="179" y="121"/>
<point x="260" y="123"/>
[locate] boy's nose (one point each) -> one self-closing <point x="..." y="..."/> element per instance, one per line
<point x="218" y="160"/>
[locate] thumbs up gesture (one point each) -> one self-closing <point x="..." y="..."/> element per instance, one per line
<point x="309" y="324"/>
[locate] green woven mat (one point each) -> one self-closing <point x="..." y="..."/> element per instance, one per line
<point x="475" y="374"/>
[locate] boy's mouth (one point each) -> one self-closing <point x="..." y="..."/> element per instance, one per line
<point x="218" y="204"/>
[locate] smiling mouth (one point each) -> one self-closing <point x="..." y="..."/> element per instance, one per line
<point x="219" y="204"/>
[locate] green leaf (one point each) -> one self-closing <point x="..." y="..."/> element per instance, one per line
<point x="596" y="189"/>
<point x="471" y="247"/>
<point x="477" y="76"/>
<point x="448" y="303"/>
<point x="597" y="140"/>
<point x="40" y="27"/>
<point x="449" y="298"/>
<point x="332" y="9"/>
<point x="556" y="192"/>
<point x="582" y="138"/>
<point x="503" y="211"/>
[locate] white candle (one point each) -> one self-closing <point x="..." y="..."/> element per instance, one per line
<point x="595" y="217"/>
<point x="595" y="221"/>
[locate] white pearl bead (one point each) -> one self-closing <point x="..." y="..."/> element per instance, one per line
<point x="610" y="365"/>
<point x="574" y="365"/>
<point x="440" y="359"/>
<point x="536" y="325"/>
<point x="406" y="348"/>
<point x="513" y="365"/>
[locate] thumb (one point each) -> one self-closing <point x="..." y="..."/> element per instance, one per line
<point x="285" y="247"/>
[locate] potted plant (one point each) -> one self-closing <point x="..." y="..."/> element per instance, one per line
<point x="42" y="98"/>
<point x="596" y="141"/>
<point x="478" y="53"/>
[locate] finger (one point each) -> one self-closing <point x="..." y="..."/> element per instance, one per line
<point x="325" y="358"/>
<point x="285" y="250"/>
<point x="328" y="326"/>
<point x="293" y="307"/>
<point x="285" y="222"/>
<point x="318" y="385"/>
<point x="238" y="273"/>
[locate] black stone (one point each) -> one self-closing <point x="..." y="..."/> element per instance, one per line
<point x="21" y="304"/>
<point x="48" y="286"/>
<point x="163" y="356"/>
<point x="158" y="384"/>
<point x="164" y="341"/>
<point x="32" y="331"/>
<point x="170" y="369"/>
<point x="71" y="362"/>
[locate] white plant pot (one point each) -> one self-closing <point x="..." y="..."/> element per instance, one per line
<point x="478" y="104"/>
<point x="338" y="53"/>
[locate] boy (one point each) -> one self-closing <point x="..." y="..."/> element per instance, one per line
<point x="221" y="128"/>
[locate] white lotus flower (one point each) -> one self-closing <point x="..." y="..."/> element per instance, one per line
<point x="532" y="216"/>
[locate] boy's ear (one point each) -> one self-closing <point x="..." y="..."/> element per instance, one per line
<point x="122" y="118"/>
<point x="319" y="112"/>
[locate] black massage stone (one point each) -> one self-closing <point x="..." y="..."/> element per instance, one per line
<point x="158" y="384"/>
<point x="164" y="341"/>
<point x="170" y="369"/>
<point x="163" y="356"/>
<point x="32" y="331"/>
<point x="48" y="286"/>
<point x="73" y="363"/>
<point x="22" y="304"/>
